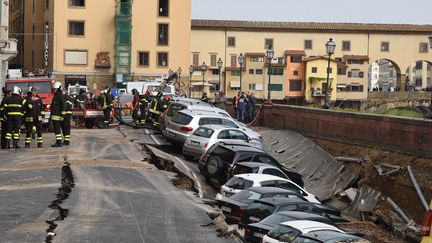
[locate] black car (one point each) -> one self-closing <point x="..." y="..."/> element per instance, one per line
<point x="256" y="231"/>
<point x="262" y="208"/>
<point x="234" y="206"/>
<point x="216" y="164"/>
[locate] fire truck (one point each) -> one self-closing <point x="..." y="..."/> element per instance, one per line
<point x="42" y="84"/>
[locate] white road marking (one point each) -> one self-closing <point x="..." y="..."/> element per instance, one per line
<point x="147" y="131"/>
<point x="155" y="139"/>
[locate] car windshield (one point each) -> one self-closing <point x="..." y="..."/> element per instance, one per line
<point x="334" y="237"/>
<point x="174" y="108"/>
<point x="42" y="87"/>
<point x="242" y="169"/>
<point x="203" y="132"/>
<point x="284" y="233"/>
<point x="182" y="119"/>
<point x="275" y="219"/>
<point x="226" y="155"/>
<point x="246" y="196"/>
<point x="261" y="210"/>
<point x="238" y="183"/>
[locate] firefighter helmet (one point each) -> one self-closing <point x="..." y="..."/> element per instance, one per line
<point x="57" y="85"/>
<point x="16" y="90"/>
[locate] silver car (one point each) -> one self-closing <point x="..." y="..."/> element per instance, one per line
<point x="187" y="104"/>
<point x="205" y="136"/>
<point x="185" y="122"/>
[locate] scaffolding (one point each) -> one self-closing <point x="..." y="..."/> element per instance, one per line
<point x="123" y="41"/>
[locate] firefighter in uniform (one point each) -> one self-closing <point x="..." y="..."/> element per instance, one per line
<point x="58" y="108"/>
<point x="37" y="115"/>
<point x="3" y="121"/>
<point x="82" y="99"/>
<point x="107" y="104"/>
<point x="67" y="117"/>
<point x="28" y="118"/>
<point x="144" y="102"/>
<point x="13" y="108"/>
<point x="166" y="102"/>
<point x="155" y="109"/>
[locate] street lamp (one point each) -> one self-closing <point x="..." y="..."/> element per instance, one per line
<point x="270" y="53"/>
<point x="429" y="115"/>
<point x="179" y="70"/>
<point x="191" y="70"/>
<point x="330" y="49"/>
<point x="219" y="64"/>
<point x="203" y="70"/>
<point x="241" y="61"/>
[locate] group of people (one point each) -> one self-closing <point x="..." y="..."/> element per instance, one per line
<point x="147" y="108"/>
<point x="244" y="106"/>
<point x="219" y="100"/>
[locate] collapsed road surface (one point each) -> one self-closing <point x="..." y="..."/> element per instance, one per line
<point x="97" y="190"/>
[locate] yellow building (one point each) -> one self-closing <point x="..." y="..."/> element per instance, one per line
<point x="101" y="42"/>
<point x="352" y="81"/>
<point x="316" y="79"/>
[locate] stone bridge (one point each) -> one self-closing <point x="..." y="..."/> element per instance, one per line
<point x="387" y="100"/>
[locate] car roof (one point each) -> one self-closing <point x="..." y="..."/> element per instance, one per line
<point x="260" y="177"/>
<point x="188" y="101"/>
<point x="299" y="215"/>
<point x="270" y="189"/>
<point x="306" y="226"/>
<point x="217" y="128"/>
<point x="256" y="164"/>
<point x="281" y="200"/>
<point x="215" y="112"/>
<point x="240" y="146"/>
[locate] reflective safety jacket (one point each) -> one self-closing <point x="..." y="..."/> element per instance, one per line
<point x="2" y="114"/>
<point x="144" y="101"/>
<point x="69" y="105"/>
<point x="28" y="109"/>
<point x="155" y="106"/>
<point x="58" y="106"/>
<point x="14" y="106"/>
<point x="106" y="101"/>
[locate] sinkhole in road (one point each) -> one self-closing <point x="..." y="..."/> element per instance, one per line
<point x="67" y="183"/>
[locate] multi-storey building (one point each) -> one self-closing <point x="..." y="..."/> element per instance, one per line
<point x="316" y="79"/>
<point x="101" y="42"/>
<point x="352" y="81"/>
<point x="8" y="46"/>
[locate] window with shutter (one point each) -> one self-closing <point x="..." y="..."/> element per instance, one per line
<point x="361" y="88"/>
<point x="233" y="61"/>
<point x="349" y="74"/>
<point x="361" y="74"/>
<point x="195" y="60"/>
<point x="213" y="60"/>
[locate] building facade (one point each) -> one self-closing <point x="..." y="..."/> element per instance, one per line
<point x="103" y="42"/>
<point x="8" y="46"/>
<point x="316" y="79"/>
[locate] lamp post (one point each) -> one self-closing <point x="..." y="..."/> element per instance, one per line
<point x="219" y="64"/>
<point x="191" y="70"/>
<point x="270" y="53"/>
<point x="330" y="48"/>
<point x="179" y="70"/>
<point x="203" y="70"/>
<point x="241" y="61"/>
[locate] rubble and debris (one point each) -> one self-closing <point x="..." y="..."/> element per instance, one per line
<point x="397" y="209"/>
<point x="387" y="169"/>
<point x="349" y="159"/>
<point x="417" y="187"/>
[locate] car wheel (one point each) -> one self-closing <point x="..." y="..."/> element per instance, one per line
<point x="89" y="123"/>
<point x="214" y="166"/>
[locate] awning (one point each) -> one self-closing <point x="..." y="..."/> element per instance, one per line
<point x="235" y="84"/>
<point x="341" y="85"/>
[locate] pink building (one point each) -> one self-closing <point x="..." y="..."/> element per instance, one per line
<point x="295" y="84"/>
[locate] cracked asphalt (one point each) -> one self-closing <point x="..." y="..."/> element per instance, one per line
<point x="116" y="197"/>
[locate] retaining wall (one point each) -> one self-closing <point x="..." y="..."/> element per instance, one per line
<point x="407" y="135"/>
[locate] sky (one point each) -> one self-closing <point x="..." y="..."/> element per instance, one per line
<point x="346" y="11"/>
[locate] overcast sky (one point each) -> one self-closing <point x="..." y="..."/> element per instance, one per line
<point x="347" y="11"/>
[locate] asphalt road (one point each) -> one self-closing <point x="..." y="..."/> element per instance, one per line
<point x="107" y="194"/>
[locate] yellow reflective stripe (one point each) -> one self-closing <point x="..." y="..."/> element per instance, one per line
<point x="155" y="111"/>
<point x="63" y="112"/>
<point x="29" y="119"/>
<point x="55" y="118"/>
<point x="31" y="106"/>
<point x="13" y="105"/>
<point x="68" y="112"/>
<point x="14" y="113"/>
<point x="69" y="102"/>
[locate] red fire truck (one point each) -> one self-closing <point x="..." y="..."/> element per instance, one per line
<point x="44" y="86"/>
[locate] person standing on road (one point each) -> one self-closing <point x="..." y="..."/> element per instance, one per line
<point x="37" y="115"/>
<point x="13" y="108"/>
<point x="67" y="117"/>
<point x="107" y="104"/>
<point x="251" y="107"/>
<point x="241" y="105"/>
<point x="81" y="100"/>
<point x="235" y="102"/>
<point x="28" y="118"/>
<point x="222" y="100"/>
<point x="155" y="109"/>
<point x="3" y="121"/>
<point x="58" y="109"/>
<point x="144" y="102"/>
<point x="166" y="102"/>
<point x="136" y="106"/>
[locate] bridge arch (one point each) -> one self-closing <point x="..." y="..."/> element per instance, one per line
<point x="384" y="75"/>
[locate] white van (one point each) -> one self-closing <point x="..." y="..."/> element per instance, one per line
<point x="153" y="86"/>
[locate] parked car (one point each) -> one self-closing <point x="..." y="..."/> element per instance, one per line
<point x="216" y="164"/>
<point x="256" y="231"/>
<point x="234" y="206"/>
<point x="185" y="122"/>
<point x="309" y="231"/>
<point x="205" y="136"/>
<point x="179" y="104"/>
<point x="427" y="226"/>
<point x="243" y="181"/>
<point x="257" y="168"/>
<point x="262" y="208"/>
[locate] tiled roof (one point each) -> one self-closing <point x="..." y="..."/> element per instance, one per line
<point x="255" y="54"/>
<point x="355" y="57"/>
<point x="310" y="26"/>
<point x="295" y="53"/>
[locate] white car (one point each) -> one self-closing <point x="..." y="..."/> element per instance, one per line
<point x="308" y="231"/>
<point x="243" y="181"/>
